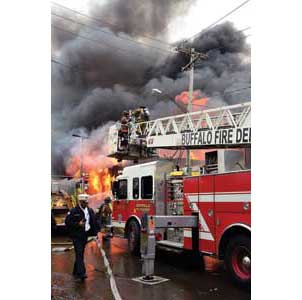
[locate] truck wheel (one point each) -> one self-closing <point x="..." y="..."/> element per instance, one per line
<point x="134" y="237"/>
<point x="238" y="260"/>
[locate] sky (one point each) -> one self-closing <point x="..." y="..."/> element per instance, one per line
<point x="202" y="14"/>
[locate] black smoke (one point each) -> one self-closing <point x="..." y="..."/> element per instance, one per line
<point x="140" y="17"/>
<point x="101" y="72"/>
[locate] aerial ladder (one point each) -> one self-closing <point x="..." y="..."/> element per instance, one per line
<point x="223" y="127"/>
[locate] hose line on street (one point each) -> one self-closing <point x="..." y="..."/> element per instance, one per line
<point x="113" y="286"/>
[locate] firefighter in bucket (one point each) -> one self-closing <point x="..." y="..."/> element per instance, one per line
<point x="141" y="115"/>
<point x="124" y="130"/>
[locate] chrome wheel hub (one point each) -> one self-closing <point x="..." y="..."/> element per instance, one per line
<point x="246" y="261"/>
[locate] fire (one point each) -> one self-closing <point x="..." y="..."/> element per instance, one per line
<point x="95" y="170"/>
<point x="94" y="181"/>
<point x="99" y="181"/>
<point x="197" y="102"/>
<point x="106" y="180"/>
<point x="197" y="154"/>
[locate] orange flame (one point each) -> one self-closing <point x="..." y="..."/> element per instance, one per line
<point x="194" y="154"/>
<point x="197" y="102"/>
<point x="99" y="178"/>
<point x="106" y="180"/>
<point x="94" y="182"/>
<point x="197" y="154"/>
<point x="99" y="181"/>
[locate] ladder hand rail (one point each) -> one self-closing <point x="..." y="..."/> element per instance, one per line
<point x="210" y="119"/>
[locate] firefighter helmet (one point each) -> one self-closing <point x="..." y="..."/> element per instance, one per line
<point x="83" y="197"/>
<point x="107" y="200"/>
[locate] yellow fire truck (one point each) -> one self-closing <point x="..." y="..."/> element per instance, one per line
<point x="63" y="197"/>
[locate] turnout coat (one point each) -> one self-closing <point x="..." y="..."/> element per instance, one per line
<point x="77" y="231"/>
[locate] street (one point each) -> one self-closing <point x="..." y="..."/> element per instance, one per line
<point x="184" y="282"/>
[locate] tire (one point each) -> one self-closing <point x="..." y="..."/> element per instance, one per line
<point x="133" y="235"/>
<point x="238" y="260"/>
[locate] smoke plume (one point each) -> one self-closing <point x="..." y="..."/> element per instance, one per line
<point x="113" y="63"/>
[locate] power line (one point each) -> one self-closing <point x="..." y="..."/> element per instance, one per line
<point x="60" y="63"/>
<point x="53" y="60"/>
<point x="98" y="29"/>
<point x="116" y="36"/>
<point x="174" y="101"/>
<point x="223" y="48"/>
<point x="220" y="19"/>
<point x="132" y="40"/>
<point x="101" y="43"/>
<point x="105" y="22"/>
<point x="244" y="29"/>
<point x="234" y="91"/>
<point x="56" y="61"/>
<point x="96" y="20"/>
<point x="109" y="33"/>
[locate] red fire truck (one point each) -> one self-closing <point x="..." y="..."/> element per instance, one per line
<point x="219" y="191"/>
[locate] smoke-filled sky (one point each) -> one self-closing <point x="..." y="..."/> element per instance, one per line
<point x="200" y="14"/>
<point x="112" y="61"/>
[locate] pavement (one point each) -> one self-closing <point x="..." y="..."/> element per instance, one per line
<point x="185" y="282"/>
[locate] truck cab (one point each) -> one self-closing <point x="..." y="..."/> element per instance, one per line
<point x="136" y="192"/>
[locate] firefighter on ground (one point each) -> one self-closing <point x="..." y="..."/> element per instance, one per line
<point x="80" y="223"/>
<point x="105" y="216"/>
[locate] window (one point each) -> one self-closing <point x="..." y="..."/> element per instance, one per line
<point x="135" y="190"/>
<point x="115" y="187"/>
<point x="147" y="187"/>
<point x="122" y="191"/>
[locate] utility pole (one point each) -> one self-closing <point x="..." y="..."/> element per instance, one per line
<point x="194" y="56"/>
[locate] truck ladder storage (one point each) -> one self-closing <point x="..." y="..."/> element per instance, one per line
<point x="174" y="207"/>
